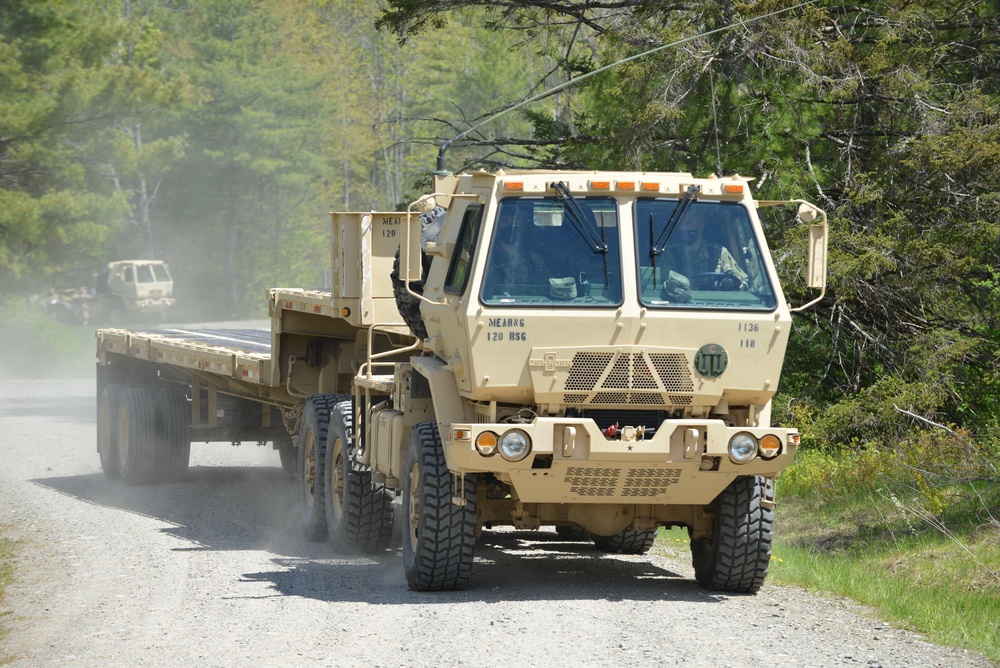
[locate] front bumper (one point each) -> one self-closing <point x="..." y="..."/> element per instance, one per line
<point x="571" y="461"/>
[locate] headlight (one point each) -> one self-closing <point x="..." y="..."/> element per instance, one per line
<point x="742" y="447"/>
<point x="486" y="443"/>
<point x="514" y="445"/>
<point x="770" y="446"/>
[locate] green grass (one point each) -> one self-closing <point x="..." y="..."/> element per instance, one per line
<point x="6" y="576"/>
<point x="919" y="547"/>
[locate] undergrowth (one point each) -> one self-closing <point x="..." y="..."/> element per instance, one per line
<point x="913" y="531"/>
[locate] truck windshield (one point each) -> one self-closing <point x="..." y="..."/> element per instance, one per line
<point x="538" y="257"/>
<point x="711" y="259"/>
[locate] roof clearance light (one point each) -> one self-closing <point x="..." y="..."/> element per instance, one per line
<point x="513" y="185"/>
<point x="651" y="186"/>
<point x="734" y="188"/>
<point x="600" y="185"/>
<point x="625" y="185"/>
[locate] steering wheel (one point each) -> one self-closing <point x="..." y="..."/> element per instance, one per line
<point x="715" y="280"/>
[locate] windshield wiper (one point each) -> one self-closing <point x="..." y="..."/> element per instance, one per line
<point x="580" y="221"/>
<point x="657" y="248"/>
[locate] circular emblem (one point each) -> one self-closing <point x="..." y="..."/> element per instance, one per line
<point x="711" y="360"/>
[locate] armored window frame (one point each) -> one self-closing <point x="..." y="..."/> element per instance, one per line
<point x="457" y="278"/>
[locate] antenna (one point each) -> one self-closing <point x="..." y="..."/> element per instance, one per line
<point x="442" y="169"/>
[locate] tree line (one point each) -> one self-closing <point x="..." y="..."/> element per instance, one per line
<point x="217" y="134"/>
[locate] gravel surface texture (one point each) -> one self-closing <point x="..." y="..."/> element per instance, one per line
<point x="213" y="571"/>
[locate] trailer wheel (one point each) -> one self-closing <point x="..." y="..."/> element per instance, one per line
<point x="408" y="305"/>
<point x="173" y="439"/>
<point x="440" y="537"/>
<point x="287" y="453"/>
<point x="137" y="436"/>
<point x="358" y="512"/>
<point x="107" y="429"/>
<point x="736" y="558"/>
<point x="627" y="541"/>
<point x="309" y="463"/>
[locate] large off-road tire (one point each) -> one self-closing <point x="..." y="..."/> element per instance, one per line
<point x="627" y="541"/>
<point x="172" y="418"/>
<point x="408" y="305"/>
<point x="312" y="438"/>
<point x="137" y="436"/>
<point x="439" y="538"/>
<point x="287" y="453"/>
<point x="358" y="511"/>
<point x="736" y="558"/>
<point x="107" y="429"/>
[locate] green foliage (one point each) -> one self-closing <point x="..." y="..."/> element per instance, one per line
<point x="34" y="345"/>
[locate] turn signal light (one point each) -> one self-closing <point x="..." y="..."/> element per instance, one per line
<point x="770" y="446"/>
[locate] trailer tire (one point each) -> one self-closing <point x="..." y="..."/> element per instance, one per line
<point x="358" y="512"/>
<point x="627" y="541"/>
<point x="137" y="436"/>
<point x="287" y="453"/>
<point x="312" y="438"/>
<point x="439" y="538"/>
<point x="108" y="405"/>
<point x="736" y="558"/>
<point x="408" y="305"/>
<point x="173" y="437"/>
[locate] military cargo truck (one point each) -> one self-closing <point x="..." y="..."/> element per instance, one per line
<point x="593" y="351"/>
<point x="123" y="291"/>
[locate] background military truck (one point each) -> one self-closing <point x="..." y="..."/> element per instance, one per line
<point x="591" y="350"/>
<point x="123" y="291"/>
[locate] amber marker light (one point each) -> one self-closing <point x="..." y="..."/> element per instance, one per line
<point x="513" y="185"/>
<point x="625" y="185"/>
<point x="600" y="185"/>
<point x="770" y="446"/>
<point x="486" y="443"/>
<point x="733" y="188"/>
<point x="345" y="312"/>
<point x="650" y="186"/>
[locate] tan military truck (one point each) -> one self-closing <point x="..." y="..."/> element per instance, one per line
<point x="593" y="351"/>
<point x="123" y="291"/>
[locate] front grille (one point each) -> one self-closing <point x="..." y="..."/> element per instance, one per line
<point x="613" y="378"/>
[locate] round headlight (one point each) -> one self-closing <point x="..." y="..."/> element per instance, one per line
<point x="770" y="446"/>
<point x="486" y="443"/>
<point x="742" y="447"/>
<point x="514" y="445"/>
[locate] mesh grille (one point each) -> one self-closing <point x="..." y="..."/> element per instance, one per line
<point x="592" y="482"/>
<point x="637" y="483"/>
<point x="673" y="371"/>
<point x="586" y="370"/>
<point x="607" y="378"/>
<point x="649" y="482"/>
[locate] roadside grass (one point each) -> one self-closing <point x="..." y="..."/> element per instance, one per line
<point x="922" y="550"/>
<point x="6" y="577"/>
<point x="32" y="345"/>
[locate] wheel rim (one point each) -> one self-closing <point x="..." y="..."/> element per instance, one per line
<point x="310" y="468"/>
<point x="414" y="515"/>
<point x="337" y="479"/>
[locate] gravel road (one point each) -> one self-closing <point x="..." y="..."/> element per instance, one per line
<point x="212" y="571"/>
